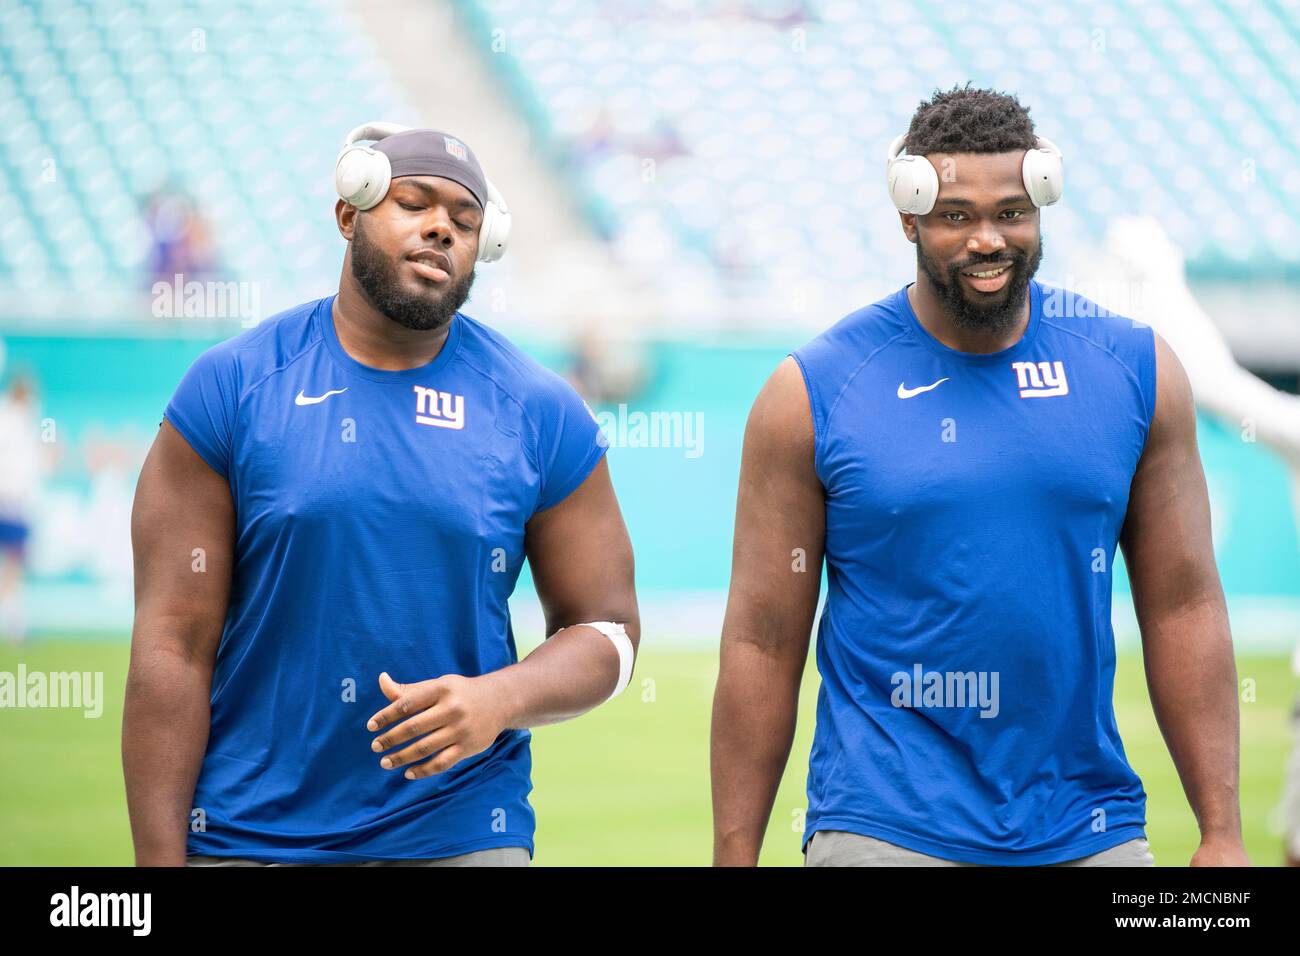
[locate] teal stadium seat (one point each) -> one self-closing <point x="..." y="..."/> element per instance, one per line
<point x="781" y="110"/>
<point x="113" y="98"/>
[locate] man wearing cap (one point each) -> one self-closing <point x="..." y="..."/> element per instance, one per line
<point x="326" y="531"/>
<point x="966" y="455"/>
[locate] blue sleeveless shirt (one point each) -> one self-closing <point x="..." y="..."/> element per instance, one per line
<point x="973" y="508"/>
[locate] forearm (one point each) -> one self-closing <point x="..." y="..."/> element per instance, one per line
<point x="754" y="712"/>
<point x="570" y="673"/>
<point x="1192" y="677"/>
<point x="165" y="725"/>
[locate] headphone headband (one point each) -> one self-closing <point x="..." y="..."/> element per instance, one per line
<point x="362" y="175"/>
<point x="374" y="132"/>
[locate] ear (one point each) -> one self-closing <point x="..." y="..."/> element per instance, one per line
<point x="909" y="223"/>
<point x="345" y="216"/>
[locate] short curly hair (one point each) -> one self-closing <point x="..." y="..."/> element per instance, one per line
<point x="966" y="120"/>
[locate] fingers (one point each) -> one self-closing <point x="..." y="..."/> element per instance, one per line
<point x="426" y="746"/>
<point x="446" y="759"/>
<point x="435" y="714"/>
<point x="434" y="718"/>
<point x="407" y="699"/>
<point x="392" y="690"/>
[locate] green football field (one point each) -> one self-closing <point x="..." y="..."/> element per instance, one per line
<point x="626" y="784"/>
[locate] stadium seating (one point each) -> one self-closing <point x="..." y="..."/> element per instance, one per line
<point x="753" y="133"/>
<point x="738" y="145"/>
<point x="231" y="103"/>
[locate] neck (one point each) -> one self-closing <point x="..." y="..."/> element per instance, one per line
<point x="932" y="312"/>
<point x="374" y="339"/>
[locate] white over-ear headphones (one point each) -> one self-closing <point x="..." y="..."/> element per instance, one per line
<point x="362" y="175"/>
<point x="914" y="183"/>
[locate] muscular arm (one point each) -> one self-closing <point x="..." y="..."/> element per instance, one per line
<point x="780" y="507"/>
<point x="180" y="504"/>
<point x="1186" y="642"/>
<point x="582" y="567"/>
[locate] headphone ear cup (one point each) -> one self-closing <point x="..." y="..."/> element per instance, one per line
<point x="1043" y="171"/>
<point x="362" y="176"/>
<point x="493" y="234"/>
<point x="913" y="184"/>
<point x="485" y="232"/>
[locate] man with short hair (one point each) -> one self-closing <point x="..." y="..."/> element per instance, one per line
<point x="966" y="455"/>
<point x="327" y="530"/>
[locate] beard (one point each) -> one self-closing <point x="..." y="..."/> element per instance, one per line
<point x="422" y="310"/>
<point x="996" y="313"/>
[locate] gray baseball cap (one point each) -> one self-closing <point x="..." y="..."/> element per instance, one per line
<point x="431" y="152"/>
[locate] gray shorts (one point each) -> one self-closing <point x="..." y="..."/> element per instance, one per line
<point x="838" y="848"/>
<point x="497" y="856"/>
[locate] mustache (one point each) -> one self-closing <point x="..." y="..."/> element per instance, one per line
<point x="1015" y="260"/>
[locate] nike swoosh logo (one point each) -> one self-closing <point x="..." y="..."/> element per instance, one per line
<point x="316" y="400"/>
<point x="905" y="392"/>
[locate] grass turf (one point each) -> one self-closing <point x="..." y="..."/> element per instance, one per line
<point x="627" y="784"/>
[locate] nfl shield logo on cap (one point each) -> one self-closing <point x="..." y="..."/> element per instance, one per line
<point x="456" y="148"/>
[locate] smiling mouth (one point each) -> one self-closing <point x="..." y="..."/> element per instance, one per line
<point x="988" y="279"/>
<point x="988" y="273"/>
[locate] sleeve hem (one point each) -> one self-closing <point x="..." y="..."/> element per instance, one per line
<point x="186" y="432"/>
<point x="819" y="438"/>
<point x="578" y="477"/>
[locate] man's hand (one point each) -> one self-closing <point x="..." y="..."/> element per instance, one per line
<point x="461" y="717"/>
<point x="581" y="562"/>
<point x="1220" y="851"/>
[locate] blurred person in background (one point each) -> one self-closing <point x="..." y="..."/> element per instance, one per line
<point x="20" y="475"/>
<point x="603" y="372"/>
<point x="179" y="243"/>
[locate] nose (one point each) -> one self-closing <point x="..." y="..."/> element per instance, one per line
<point x="985" y="239"/>
<point x="437" y="227"/>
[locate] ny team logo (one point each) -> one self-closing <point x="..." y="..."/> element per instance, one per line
<point x="1041" y="379"/>
<point x="440" y="409"/>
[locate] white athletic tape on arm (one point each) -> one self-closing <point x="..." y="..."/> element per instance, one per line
<point x="617" y="635"/>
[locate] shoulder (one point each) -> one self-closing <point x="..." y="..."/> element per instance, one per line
<point x="536" y="388"/>
<point x="830" y="361"/>
<point x="1069" y="313"/>
<point x="781" y="414"/>
<point x="1175" y="404"/>
<point x="857" y="336"/>
<point x="245" y="360"/>
<point x="1129" y="344"/>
